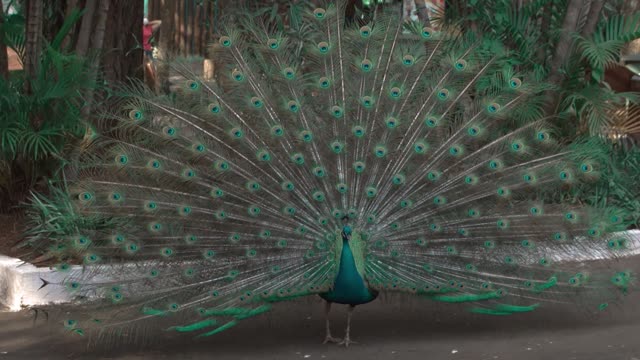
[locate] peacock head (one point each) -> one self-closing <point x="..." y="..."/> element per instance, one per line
<point x="346" y="229"/>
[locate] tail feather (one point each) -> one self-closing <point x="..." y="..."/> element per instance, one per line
<point x="229" y="197"/>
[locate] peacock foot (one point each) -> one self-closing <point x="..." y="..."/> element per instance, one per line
<point x="346" y="342"/>
<point x="330" y="339"/>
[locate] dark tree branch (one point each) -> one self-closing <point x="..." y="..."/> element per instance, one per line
<point x="101" y="25"/>
<point x="592" y="18"/>
<point x="69" y="40"/>
<point x="4" y="58"/>
<point x="97" y="43"/>
<point x="544" y="36"/>
<point x="33" y="42"/>
<point x="86" y="29"/>
<point x="563" y="51"/>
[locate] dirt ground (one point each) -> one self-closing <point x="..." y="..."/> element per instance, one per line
<point x="10" y="233"/>
<point x="14" y="61"/>
<point x="385" y="331"/>
<point x="411" y="329"/>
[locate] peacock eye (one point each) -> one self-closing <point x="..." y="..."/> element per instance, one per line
<point x="323" y="47"/>
<point x="193" y="85"/>
<point x="337" y="111"/>
<point x="289" y="73"/>
<point x="273" y="44"/>
<point x="367" y="101"/>
<point x="237" y="75"/>
<point x="225" y="41"/>
<point x="366" y="65"/>
<point x="324" y="82"/>
<point x="365" y="31"/>
<point x="461" y="64"/>
<point x="408" y="60"/>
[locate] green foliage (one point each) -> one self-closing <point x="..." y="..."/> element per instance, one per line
<point x="532" y="31"/>
<point x="617" y="183"/>
<point x="51" y="218"/>
<point x="13" y="33"/>
<point x="38" y="128"/>
<point x="613" y="183"/>
<point x="603" y="49"/>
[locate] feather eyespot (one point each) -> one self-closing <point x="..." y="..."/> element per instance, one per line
<point x="323" y="47"/>
<point x="427" y="32"/>
<point x="273" y="44"/>
<point x="365" y="31"/>
<point x="366" y="65"/>
<point x="515" y="83"/>
<point x="225" y="41"/>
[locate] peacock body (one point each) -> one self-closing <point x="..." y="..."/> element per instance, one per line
<point x="357" y="160"/>
<point x="348" y="286"/>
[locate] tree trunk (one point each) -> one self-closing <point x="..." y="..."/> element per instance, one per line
<point x="175" y="27"/>
<point x="124" y="58"/>
<point x="167" y="29"/>
<point x="101" y="25"/>
<point x="423" y="12"/>
<point x="54" y="12"/>
<point x="86" y="29"/>
<point x="544" y="37"/>
<point x="182" y="28"/>
<point x="97" y="42"/>
<point x="197" y="27"/>
<point x="563" y="47"/>
<point x="562" y="51"/>
<point x="70" y="39"/>
<point x="165" y="44"/>
<point x="191" y="27"/>
<point x="4" y="58"/>
<point x="33" y="45"/>
<point x="592" y="18"/>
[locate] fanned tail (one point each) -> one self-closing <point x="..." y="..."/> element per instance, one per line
<point x="219" y="201"/>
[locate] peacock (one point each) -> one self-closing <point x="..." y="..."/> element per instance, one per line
<point x="364" y="157"/>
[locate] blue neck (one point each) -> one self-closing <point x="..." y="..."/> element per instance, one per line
<point x="348" y="286"/>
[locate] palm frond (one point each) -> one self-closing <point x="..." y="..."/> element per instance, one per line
<point x="623" y="123"/>
<point x="603" y="49"/>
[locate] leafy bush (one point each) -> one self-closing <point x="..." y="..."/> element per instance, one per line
<point x="39" y="129"/>
<point x="617" y="183"/>
<point x="532" y="30"/>
<point x="51" y="217"/>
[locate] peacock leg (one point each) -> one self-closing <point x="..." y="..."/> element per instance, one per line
<point x="347" y="339"/>
<point x="328" y="338"/>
